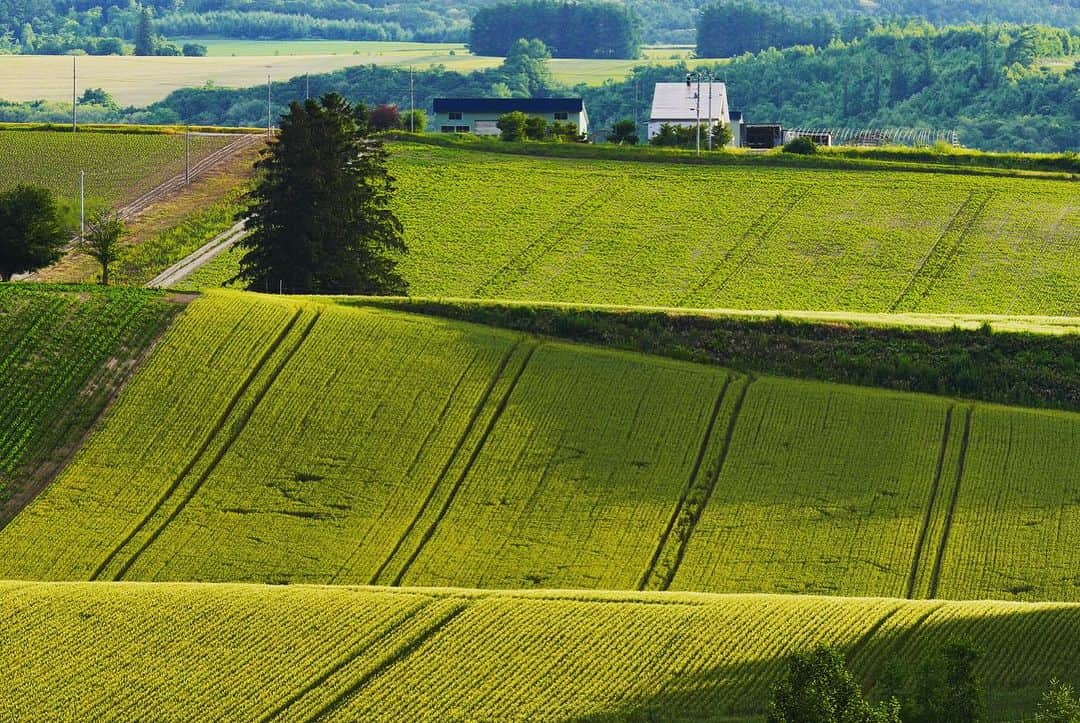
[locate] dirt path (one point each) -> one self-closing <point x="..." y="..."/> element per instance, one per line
<point x="185" y="267"/>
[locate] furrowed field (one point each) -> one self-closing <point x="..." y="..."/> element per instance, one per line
<point x="119" y="166"/>
<point x="310" y="442"/>
<point x="486" y="225"/>
<point x="749" y="237"/>
<point x="61" y="355"/>
<point x="314" y="653"/>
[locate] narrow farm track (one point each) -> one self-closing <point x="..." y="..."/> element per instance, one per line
<point x="692" y="512"/>
<point x="185" y="267"/>
<point x="477" y="448"/>
<point x="935" y="575"/>
<point x="234" y="433"/>
<point x="690" y="486"/>
<point x="451" y="459"/>
<point x="920" y="544"/>
<point x="215" y="431"/>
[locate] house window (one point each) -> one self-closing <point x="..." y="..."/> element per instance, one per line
<point x="454" y="116"/>
<point x="562" y="116"/>
<point x="447" y="129"/>
<point x="463" y="129"/>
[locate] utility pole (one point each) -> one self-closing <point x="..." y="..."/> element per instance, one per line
<point x="412" y="102"/>
<point x="307" y="86"/>
<point x="187" y="156"/>
<point x="698" y="104"/>
<point x="82" y="205"/>
<point x="710" y="112"/>
<point x="74" y="92"/>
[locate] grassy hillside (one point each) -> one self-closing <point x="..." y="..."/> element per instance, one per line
<point x="340" y="653"/>
<point x="62" y="353"/>
<point x="301" y="441"/>
<point x="738" y="237"/>
<point x="119" y="166"/>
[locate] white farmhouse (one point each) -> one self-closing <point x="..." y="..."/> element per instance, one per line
<point x="677" y="104"/>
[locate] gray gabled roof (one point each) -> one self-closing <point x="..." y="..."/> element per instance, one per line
<point x="508" y="105"/>
<point x="676" y="102"/>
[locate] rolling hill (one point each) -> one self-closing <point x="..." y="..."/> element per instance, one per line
<point x="119" y="167"/>
<point x="274" y="439"/>
<point x="485" y="225"/>
<point x="246" y="652"/>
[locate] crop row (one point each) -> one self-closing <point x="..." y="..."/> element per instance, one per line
<point x="118" y="166"/>
<point x="340" y="653"/>
<point x="281" y="440"/>
<point x="53" y="344"/>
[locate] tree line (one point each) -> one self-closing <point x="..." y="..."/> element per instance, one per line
<point x="580" y="29"/>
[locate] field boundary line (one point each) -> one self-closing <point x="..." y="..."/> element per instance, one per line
<point x="696" y="511"/>
<point x="473" y="456"/>
<point x="539" y="247"/>
<point x="395" y="625"/>
<point x="234" y="434"/>
<point x="935" y="576"/>
<point x="478" y="410"/>
<point x="191" y="263"/>
<point x="688" y="487"/>
<point x="758" y="233"/>
<point x="920" y="543"/>
<point x="214" y="432"/>
<point x="407" y="649"/>
<point x="956" y="222"/>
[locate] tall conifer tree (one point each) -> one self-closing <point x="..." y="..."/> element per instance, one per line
<point x="320" y="214"/>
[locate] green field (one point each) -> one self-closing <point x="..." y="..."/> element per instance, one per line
<point x="213" y="652"/>
<point x="119" y="167"/>
<point x="315" y="443"/>
<point x="483" y="225"/>
<point x="242" y="63"/>
<point x="61" y="355"/>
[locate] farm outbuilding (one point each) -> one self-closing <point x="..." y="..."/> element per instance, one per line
<point x="678" y="104"/>
<point x="480" y="115"/>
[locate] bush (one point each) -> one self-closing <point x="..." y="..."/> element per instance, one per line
<point x="194" y="50"/>
<point x="801" y="145"/>
<point x="624" y="132"/>
<point x="384" y="118"/>
<point x="1059" y="704"/>
<point x="512" y="126"/>
<point x="536" y="128"/>
<point x="819" y="688"/>
<point x="414" y="121"/>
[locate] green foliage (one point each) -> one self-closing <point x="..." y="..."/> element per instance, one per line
<point x="945" y="687"/>
<point x="320" y="219"/>
<point x="99" y="97"/>
<point x="624" y="132"/>
<point x="733" y="27"/>
<point x="144" y="33"/>
<point x="672" y="135"/>
<point x="536" y="129"/>
<point x="414" y="121"/>
<point x="32" y="234"/>
<point x="818" y="688"/>
<point x="587" y="29"/>
<point x="1059" y="704"/>
<point x="512" y="126"/>
<point x="101" y="242"/>
<point x="194" y="50"/>
<point x="801" y="145"/>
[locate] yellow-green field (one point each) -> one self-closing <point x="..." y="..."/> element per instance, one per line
<point x="237" y="64"/>
<point x="118" y="167"/>
<point x="273" y="439"/>
<point x="212" y="652"/>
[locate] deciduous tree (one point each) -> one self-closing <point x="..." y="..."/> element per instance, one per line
<point x="32" y="234"/>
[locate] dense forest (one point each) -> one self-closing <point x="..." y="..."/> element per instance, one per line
<point x="98" y="26"/>
<point x="570" y="29"/>
<point x="987" y="82"/>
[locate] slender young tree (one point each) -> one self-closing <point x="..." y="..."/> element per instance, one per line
<point x="32" y="233"/>
<point x="104" y="231"/>
<point x="320" y="214"/>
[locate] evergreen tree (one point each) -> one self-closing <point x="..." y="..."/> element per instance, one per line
<point x="320" y="214"/>
<point x="144" y="34"/>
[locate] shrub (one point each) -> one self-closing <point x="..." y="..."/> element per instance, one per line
<point x="194" y="50"/>
<point x="801" y="145"/>
<point x="512" y="126"/>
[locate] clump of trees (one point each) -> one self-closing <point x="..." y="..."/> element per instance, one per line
<point x="624" y="133"/>
<point x="517" y="126"/>
<point x="32" y="230"/>
<point x="586" y="29"/>
<point x="320" y="215"/>
<point x="672" y="135"/>
<point x="733" y="27"/>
